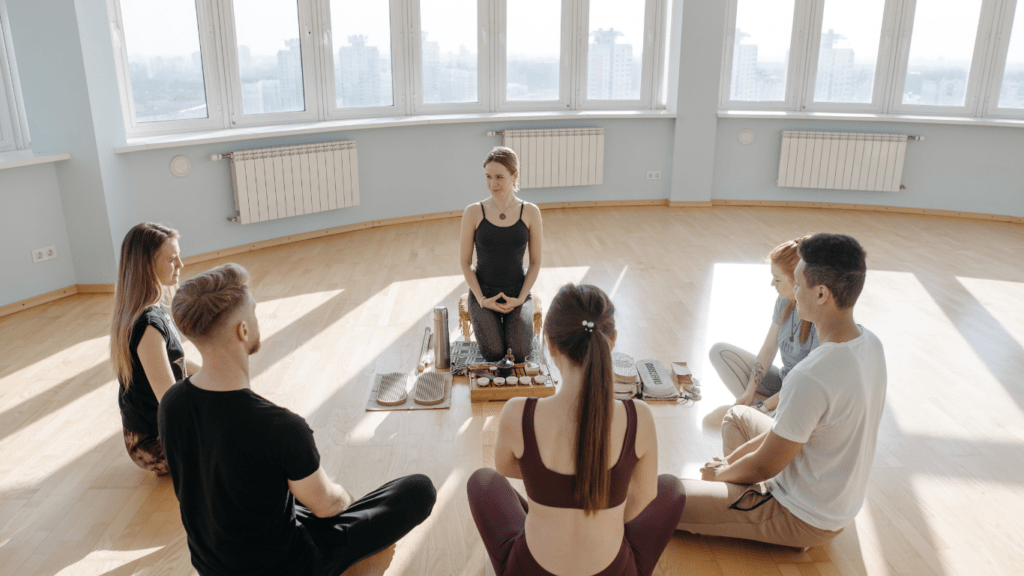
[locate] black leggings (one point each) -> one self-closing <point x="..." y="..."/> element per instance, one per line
<point x="495" y="332"/>
<point x="500" y="515"/>
<point x="369" y="525"/>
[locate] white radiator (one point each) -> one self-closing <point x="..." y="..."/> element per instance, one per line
<point x="558" y="157"/>
<point x="271" y="183"/>
<point x="842" y="160"/>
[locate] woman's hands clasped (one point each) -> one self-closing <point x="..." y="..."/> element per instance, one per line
<point x="509" y="304"/>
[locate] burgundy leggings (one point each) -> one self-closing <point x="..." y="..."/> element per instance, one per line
<point x="500" y="515"/>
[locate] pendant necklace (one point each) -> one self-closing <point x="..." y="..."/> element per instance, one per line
<point x="502" y="215"/>
<point x="792" y="329"/>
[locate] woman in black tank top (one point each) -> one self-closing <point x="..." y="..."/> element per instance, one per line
<point x="499" y="230"/>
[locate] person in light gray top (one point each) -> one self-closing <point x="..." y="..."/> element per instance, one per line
<point x="801" y="478"/>
<point x="753" y="379"/>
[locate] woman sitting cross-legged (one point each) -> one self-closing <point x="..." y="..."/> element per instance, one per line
<point x="145" y="347"/>
<point x="500" y="229"/>
<point x="595" y="502"/>
<point x="753" y="379"/>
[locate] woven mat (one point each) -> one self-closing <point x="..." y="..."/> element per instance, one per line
<point x="410" y="402"/>
<point x="466" y="354"/>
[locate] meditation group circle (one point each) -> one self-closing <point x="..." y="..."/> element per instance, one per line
<point x="797" y="445"/>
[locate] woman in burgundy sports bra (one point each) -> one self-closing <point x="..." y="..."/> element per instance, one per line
<point x="583" y="515"/>
<point x="500" y="230"/>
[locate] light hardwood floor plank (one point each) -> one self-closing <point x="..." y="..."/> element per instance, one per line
<point x="946" y="297"/>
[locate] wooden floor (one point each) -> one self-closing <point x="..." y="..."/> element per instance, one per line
<point x="945" y="296"/>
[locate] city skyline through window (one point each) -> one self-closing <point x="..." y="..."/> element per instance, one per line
<point x="533" y="50"/>
<point x="851" y="31"/>
<point x="760" y="57"/>
<point x="166" y="69"/>
<point x="269" y="56"/>
<point x="615" y="53"/>
<point x="448" y="51"/>
<point x="361" y="30"/>
<point x="941" y="51"/>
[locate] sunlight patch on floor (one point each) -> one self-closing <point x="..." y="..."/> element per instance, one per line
<point x="740" y="313"/>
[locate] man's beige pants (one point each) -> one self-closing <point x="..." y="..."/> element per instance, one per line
<point x="748" y="512"/>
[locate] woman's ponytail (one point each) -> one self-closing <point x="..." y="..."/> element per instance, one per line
<point x="581" y="324"/>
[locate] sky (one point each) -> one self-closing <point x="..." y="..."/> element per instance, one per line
<point x="942" y="28"/>
<point x="168" y="27"/>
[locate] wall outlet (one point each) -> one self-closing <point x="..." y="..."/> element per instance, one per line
<point x="654" y="175"/>
<point x="40" y="254"/>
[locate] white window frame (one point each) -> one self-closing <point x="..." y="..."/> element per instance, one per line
<point x="883" y="63"/>
<point x="647" y="74"/>
<point x="566" y="55"/>
<point x="399" y="96"/>
<point x="974" y="77"/>
<point x="311" y="49"/>
<point x="797" y="57"/>
<point x="984" y="79"/>
<point x="1001" y="49"/>
<point x="484" y="38"/>
<point x="211" y="77"/>
<point x="13" y="121"/>
<point x="221" y="74"/>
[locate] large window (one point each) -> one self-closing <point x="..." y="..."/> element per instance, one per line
<point x="533" y="62"/>
<point x="191" y="65"/>
<point x="162" y="45"/>
<point x="851" y="31"/>
<point x="13" y="128"/>
<point x="1011" y="88"/>
<point x="923" y="57"/>
<point x="760" y="56"/>
<point x="941" y="52"/>
<point x="362" y="53"/>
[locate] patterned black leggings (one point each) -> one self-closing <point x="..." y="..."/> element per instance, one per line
<point x="496" y="332"/>
<point x="146" y="451"/>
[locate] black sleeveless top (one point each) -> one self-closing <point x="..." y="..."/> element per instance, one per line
<point x="500" y="251"/>
<point x="556" y="490"/>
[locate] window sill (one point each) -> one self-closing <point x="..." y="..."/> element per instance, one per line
<point x="862" y="117"/>
<point x="20" y="158"/>
<point x="257" y="132"/>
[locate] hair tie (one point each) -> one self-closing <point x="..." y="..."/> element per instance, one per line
<point x="588" y="326"/>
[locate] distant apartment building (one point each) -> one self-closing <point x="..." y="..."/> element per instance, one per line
<point x="744" y="70"/>
<point x="752" y="80"/>
<point x="610" y="74"/>
<point x="448" y="77"/>
<point x="358" y="70"/>
<point x="289" y="74"/>
<point x="836" y="73"/>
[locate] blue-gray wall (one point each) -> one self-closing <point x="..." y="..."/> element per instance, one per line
<point x="69" y="83"/>
<point x="31" y="216"/>
<point x="961" y="168"/>
<point x="402" y="172"/>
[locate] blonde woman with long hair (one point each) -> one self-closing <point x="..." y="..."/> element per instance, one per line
<point x="753" y="379"/>
<point x="145" y="347"/>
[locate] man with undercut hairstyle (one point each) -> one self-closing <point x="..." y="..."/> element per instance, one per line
<point x="800" y="479"/>
<point x="253" y="496"/>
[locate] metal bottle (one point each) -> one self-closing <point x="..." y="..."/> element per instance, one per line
<point x="442" y="344"/>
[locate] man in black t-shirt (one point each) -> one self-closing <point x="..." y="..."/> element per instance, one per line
<point x="254" y="498"/>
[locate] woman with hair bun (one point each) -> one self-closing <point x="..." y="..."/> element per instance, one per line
<point x="500" y="229"/>
<point x="753" y="379"/>
<point x="145" y="347"/>
<point x="595" y="502"/>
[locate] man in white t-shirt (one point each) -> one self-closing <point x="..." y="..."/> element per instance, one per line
<point x="799" y="479"/>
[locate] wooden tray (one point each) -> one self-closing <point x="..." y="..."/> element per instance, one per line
<point x="494" y="393"/>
